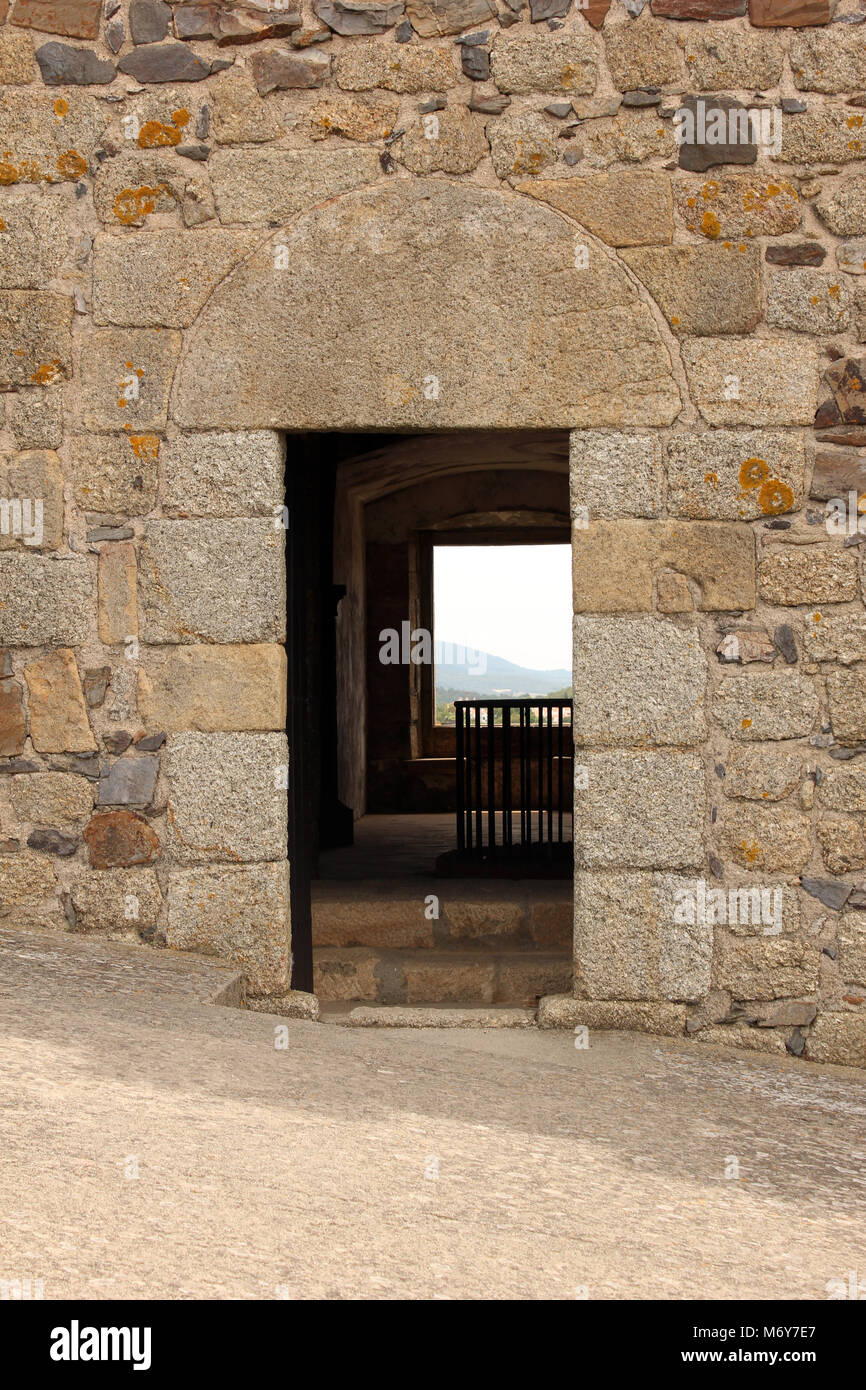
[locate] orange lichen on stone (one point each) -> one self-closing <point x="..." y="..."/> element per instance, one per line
<point x="774" y="497"/>
<point x="8" y="174"/>
<point x="28" y="171"/>
<point x="710" y="225"/>
<point x="181" y="117"/>
<point x="711" y="478"/>
<point x="71" y="165"/>
<point x="61" y="106"/>
<point x="399" y="390"/>
<point x="144" y="446"/>
<point x="750" y="850"/>
<point x="154" y="134"/>
<point x="47" y="372"/>
<point x="746" y="724"/>
<point x="132" y="204"/>
<point x="753" y="473"/>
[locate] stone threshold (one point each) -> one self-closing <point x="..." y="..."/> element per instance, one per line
<point x="426" y="1016"/>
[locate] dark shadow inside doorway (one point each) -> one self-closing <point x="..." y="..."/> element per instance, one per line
<point x="372" y="772"/>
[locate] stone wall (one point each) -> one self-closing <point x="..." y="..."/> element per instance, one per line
<point x="719" y="703"/>
<point x="220" y="221"/>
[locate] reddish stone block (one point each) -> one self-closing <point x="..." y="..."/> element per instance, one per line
<point x="789" y="14"/>
<point x="805" y="253"/>
<point x="119" y="839"/>
<point x="827" y="415"/>
<point x="699" y="9"/>
<point x="848" y="438"/>
<point x="595" y="12"/>
<point x="838" y="472"/>
<point x="78" y="19"/>
<point x="13" y="730"/>
<point x="848" y="383"/>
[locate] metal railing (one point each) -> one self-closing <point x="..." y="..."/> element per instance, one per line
<point x="514" y="779"/>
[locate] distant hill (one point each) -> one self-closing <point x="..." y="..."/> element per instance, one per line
<point x="500" y="677"/>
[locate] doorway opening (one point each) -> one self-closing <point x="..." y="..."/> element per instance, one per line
<point x="385" y="536"/>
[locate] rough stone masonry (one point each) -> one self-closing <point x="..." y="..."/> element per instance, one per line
<point x="223" y="221"/>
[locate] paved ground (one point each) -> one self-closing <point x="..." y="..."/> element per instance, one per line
<point x="311" y="1171"/>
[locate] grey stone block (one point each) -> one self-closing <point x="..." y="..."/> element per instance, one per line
<point x="640" y="810"/>
<point x="623" y="687"/>
<point x="238" y="913"/>
<point x="226" y="797"/>
<point x="629" y="944"/>
<point x="769" y="704"/>
<point x="130" y="782"/>
<point x="225" y="474"/>
<point x="614" y="475"/>
<point x="213" y="581"/>
<point x="46" y="601"/>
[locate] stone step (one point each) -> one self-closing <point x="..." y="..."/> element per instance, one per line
<point x="427" y="1016"/>
<point x="527" y="916"/>
<point x="364" y="975"/>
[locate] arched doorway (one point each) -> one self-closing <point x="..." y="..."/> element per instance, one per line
<point x="363" y="325"/>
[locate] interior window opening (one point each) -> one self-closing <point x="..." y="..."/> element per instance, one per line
<point x="501" y="623"/>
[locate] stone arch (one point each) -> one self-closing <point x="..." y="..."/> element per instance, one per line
<point x="426" y="305"/>
<point x="419" y="307"/>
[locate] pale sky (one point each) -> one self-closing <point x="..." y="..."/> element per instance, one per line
<point x="512" y="601"/>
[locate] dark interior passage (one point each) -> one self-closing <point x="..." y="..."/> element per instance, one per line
<point x="365" y="515"/>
